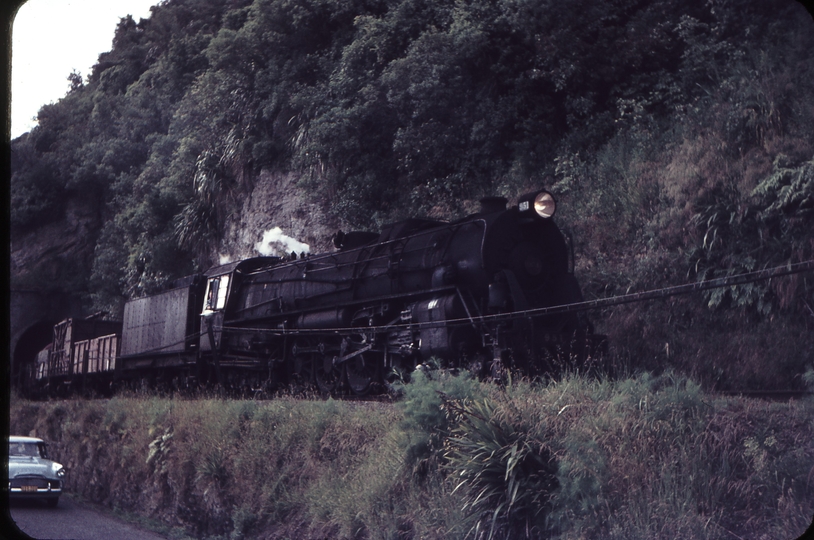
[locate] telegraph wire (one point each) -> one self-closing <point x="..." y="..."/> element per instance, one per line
<point x="675" y="290"/>
<point x="599" y="303"/>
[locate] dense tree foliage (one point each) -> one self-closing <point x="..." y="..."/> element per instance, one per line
<point x="679" y="136"/>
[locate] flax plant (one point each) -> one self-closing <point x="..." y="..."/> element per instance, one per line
<point x="506" y="472"/>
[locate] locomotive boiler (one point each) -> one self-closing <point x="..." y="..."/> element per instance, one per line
<point x="467" y="292"/>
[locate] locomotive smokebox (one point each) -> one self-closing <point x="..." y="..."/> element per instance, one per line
<point x="490" y="205"/>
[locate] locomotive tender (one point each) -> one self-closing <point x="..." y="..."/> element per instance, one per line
<point x="381" y="304"/>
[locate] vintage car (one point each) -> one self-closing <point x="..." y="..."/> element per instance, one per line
<point x="31" y="474"/>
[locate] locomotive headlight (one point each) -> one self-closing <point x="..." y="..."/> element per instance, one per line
<point x="544" y="204"/>
<point x="541" y="202"/>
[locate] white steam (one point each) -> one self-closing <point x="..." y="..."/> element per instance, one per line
<point x="274" y="242"/>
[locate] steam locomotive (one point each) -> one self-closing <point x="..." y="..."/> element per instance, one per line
<point x="467" y="292"/>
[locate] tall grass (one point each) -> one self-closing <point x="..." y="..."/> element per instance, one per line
<point x="576" y="458"/>
<point x="656" y="457"/>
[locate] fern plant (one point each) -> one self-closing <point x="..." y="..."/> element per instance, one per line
<point x="741" y="236"/>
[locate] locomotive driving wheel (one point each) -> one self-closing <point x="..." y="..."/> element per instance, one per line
<point x="362" y="370"/>
<point x="326" y="374"/>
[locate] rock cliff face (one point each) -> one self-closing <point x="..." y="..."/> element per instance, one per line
<point x="45" y="254"/>
<point x="276" y="201"/>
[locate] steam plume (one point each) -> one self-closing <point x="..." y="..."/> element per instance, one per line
<point x="274" y="242"/>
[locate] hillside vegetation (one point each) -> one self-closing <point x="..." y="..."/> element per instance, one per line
<point x="646" y="457"/>
<point x="677" y="135"/>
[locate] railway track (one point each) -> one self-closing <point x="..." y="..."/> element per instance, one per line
<point x="770" y="395"/>
<point x="342" y="358"/>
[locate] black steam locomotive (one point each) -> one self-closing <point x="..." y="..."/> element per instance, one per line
<point x="464" y="292"/>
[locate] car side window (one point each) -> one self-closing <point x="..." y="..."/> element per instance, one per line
<point x="27" y="449"/>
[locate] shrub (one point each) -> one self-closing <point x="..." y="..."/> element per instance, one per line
<point x="425" y="422"/>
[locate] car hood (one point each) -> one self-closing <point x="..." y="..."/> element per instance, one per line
<point x="21" y="465"/>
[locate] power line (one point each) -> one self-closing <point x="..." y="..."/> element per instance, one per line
<point x="717" y="283"/>
<point x="599" y="303"/>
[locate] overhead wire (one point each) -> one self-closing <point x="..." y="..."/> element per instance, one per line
<point x="599" y="303"/>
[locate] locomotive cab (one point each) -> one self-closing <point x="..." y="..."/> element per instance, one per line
<point x="216" y="294"/>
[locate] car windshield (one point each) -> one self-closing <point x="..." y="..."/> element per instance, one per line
<point x="33" y="449"/>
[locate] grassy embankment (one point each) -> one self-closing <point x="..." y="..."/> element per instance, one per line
<point x="647" y="457"/>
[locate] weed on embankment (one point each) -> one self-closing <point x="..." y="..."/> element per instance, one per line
<point x="577" y="458"/>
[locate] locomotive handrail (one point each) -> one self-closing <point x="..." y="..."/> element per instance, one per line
<point x="337" y="282"/>
<point x="290" y="312"/>
<point x="320" y="257"/>
<point x="386" y="255"/>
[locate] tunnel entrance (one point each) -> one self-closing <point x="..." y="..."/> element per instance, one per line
<point x="32" y="341"/>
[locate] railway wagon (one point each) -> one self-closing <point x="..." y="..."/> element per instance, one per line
<point x="83" y="353"/>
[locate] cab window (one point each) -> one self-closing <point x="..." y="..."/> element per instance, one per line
<point x="216" y="293"/>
